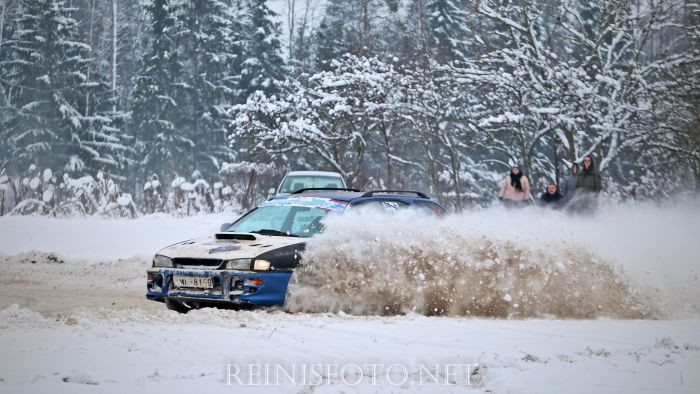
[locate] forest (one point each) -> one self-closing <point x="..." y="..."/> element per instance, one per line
<point x="129" y="107"/>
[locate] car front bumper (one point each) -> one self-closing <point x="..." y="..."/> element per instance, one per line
<point x="230" y="286"/>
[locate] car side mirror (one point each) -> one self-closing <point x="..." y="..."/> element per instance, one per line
<point x="225" y="226"/>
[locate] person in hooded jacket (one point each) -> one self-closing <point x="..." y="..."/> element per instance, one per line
<point x="552" y="198"/>
<point x="515" y="191"/>
<point x="588" y="179"/>
<point x="588" y="185"/>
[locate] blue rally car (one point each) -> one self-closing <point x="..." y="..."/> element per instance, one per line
<point x="249" y="262"/>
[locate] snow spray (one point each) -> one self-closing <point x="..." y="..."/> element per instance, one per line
<point x="498" y="263"/>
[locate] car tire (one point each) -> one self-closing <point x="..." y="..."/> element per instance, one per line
<point x="178" y="306"/>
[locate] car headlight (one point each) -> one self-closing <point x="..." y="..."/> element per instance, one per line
<point x="238" y="264"/>
<point x="261" y="265"/>
<point x="162" y="261"/>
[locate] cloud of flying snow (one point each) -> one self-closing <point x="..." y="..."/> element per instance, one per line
<point x="629" y="261"/>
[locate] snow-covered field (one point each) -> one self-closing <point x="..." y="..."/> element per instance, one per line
<point x="73" y="316"/>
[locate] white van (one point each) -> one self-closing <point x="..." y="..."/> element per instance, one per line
<point x="297" y="180"/>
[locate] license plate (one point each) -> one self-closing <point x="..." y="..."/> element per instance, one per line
<point x="197" y="282"/>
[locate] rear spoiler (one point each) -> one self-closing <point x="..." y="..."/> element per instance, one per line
<point x="371" y="193"/>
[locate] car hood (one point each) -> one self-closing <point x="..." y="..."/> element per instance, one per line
<point x="227" y="249"/>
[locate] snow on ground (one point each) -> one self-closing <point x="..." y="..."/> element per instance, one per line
<point x="139" y="351"/>
<point x="73" y="317"/>
<point x="102" y="238"/>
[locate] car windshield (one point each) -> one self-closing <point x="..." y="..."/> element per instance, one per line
<point x="297" y="182"/>
<point x="294" y="221"/>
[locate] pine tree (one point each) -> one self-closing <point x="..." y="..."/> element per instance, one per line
<point x="8" y="16"/>
<point x="211" y="52"/>
<point x="417" y="37"/>
<point x="130" y="19"/>
<point x="331" y="36"/>
<point x="6" y="30"/>
<point x="47" y="74"/>
<point x="348" y="26"/>
<point x="263" y="64"/>
<point x="4" y="143"/>
<point x="450" y="35"/>
<point x="103" y="120"/>
<point x="162" y="147"/>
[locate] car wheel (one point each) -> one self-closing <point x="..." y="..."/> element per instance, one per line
<point x="178" y="306"/>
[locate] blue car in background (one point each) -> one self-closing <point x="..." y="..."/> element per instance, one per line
<point x="250" y="261"/>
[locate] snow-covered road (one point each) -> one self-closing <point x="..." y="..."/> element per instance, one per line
<point x="73" y="318"/>
<point x="141" y="350"/>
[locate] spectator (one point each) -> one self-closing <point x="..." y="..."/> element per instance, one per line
<point x="552" y="198"/>
<point x="588" y="186"/>
<point x="588" y="180"/>
<point x="569" y="186"/>
<point x="516" y="189"/>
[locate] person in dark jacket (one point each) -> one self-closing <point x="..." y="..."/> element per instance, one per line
<point x="588" y="179"/>
<point x="552" y="198"/>
<point x="588" y="185"/>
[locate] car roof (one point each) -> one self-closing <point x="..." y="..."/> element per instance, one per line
<point x="358" y="196"/>
<point x="315" y="173"/>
